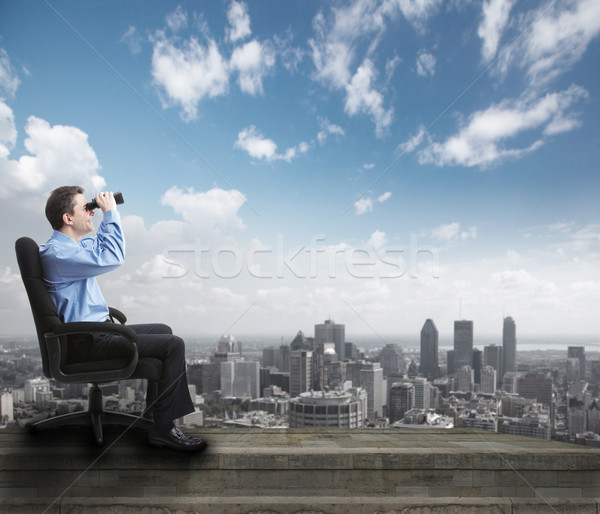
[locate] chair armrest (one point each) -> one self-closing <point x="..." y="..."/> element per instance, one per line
<point x="98" y="327"/>
<point x="56" y="339"/>
<point x="116" y="314"/>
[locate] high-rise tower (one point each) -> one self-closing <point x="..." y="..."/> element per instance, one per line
<point x="509" y="345"/>
<point x="330" y="332"/>
<point x="463" y="343"/>
<point x="429" y="349"/>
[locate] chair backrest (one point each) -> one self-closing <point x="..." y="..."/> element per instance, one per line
<point x="45" y="314"/>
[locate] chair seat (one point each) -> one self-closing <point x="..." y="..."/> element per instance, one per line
<point x="147" y="367"/>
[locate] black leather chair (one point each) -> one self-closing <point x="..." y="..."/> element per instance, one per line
<point x="53" y="337"/>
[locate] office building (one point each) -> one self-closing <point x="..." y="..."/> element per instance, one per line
<point x="228" y="350"/>
<point x="352" y="351"/>
<point x="34" y="387"/>
<point x="422" y="393"/>
<point x="429" y="350"/>
<point x="492" y="356"/>
<point x="402" y="399"/>
<point x="330" y="332"/>
<point x="324" y="356"/>
<point x="240" y="379"/>
<point x="301" y="373"/>
<point x="488" y="380"/>
<point x="578" y="352"/>
<point x="392" y="360"/>
<point x="371" y="380"/>
<point x="334" y="409"/>
<point x="463" y="344"/>
<point x="509" y="382"/>
<point x="6" y="408"/>
<point x="536" y="386"/>
<point x="477" y="364"/>
<point x="530" y="425"/>
<point x="509" y="345"/>
<point x="573" y="370"/>
<point x="464" y="379"/>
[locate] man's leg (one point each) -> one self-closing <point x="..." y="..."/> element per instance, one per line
<point x="168" y="398"/>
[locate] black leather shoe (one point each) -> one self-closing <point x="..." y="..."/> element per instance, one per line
<point x="175" y="439"/>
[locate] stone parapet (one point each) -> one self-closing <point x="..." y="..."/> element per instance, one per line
<point x="256" y="470"/>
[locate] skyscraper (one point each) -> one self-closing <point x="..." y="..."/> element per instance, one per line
<point x="330" y="332"/>
<point x="509" y="345"/>
<point x="402" y="399"/>
<point x="463" y="344"/>
<point x="492" y="356"/>
<point x="429" y="349"/>
<point x="300" y="372"/>
<point x="371" y="379"/>
<point x="392" y="360"/>
<point x="488" y="380"/>
<point x="578" y="352"/>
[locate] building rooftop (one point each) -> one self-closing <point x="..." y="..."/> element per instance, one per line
<point x="284" y="471"/>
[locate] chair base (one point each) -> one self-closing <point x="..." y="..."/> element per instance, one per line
<point x="95" y="417"/>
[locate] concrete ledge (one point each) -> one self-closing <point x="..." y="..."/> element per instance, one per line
<point x="299" y="505"/>
<point x="247" y="470"/>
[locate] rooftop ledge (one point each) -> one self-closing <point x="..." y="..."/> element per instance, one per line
<point x="298" y="470"/>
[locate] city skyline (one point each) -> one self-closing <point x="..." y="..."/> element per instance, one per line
<point x="376" y="163"/>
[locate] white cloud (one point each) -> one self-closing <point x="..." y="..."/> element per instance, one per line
<point x="177" y="20"/>
<point x="252" y="61"/>
<point x="8" y="132"/>
<point x="560" y="38"/>
<point x="426" y="64"/>
<point x="366" y="203"/>
<point x="451" y="232"/>
<point x="327" y="128"/>
<point x="132" y="39"/>
<point x="368" y="166"/>
<point x="362" y="98"/>
<point x="412" y="144"/>
<point x="238" y="18"/>
<point x="336" y="46"/>
<point x="446" y="232"/>
<point x="214" y="209"/>
<point x="481" y="141"/>
<point x="259" y="147"/>
<point x="57" y="155"/>
<point x="495" y="18"/>
<point x="377" y="240"/>
<point x="385" y="196"/>
<point x="418" y="11"/>
<point x="189" y="74"/>
<point x="548" y="40"/>
<point x="9" y="82"/>
<point x="363" y="205"/>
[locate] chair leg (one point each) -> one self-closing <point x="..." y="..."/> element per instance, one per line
<point x="94" y="417"/>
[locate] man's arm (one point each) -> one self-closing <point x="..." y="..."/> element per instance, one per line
<point x="66" y="260"/>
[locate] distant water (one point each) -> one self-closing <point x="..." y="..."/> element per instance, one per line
<point x="525" y="343"/>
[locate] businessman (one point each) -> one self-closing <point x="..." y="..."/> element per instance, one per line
<point x="70" y="262"/>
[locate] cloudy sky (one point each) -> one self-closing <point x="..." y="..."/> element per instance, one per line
<point x="284" y="162"/>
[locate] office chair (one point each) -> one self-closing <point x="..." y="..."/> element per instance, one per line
<point x="53" y="336"/>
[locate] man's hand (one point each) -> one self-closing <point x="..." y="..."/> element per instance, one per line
<point x="106" y="201"/>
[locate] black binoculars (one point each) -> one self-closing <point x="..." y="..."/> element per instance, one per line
<point x="93" y="205"/>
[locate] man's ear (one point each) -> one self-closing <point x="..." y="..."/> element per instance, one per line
<point x="67" y="218"/>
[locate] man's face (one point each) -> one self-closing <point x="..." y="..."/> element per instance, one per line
<point x="82" y="218"/>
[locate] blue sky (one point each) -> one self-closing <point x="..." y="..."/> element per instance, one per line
<point x="283" y="162"/>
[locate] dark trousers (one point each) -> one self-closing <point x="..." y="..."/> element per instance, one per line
<point x="167" y="398"/>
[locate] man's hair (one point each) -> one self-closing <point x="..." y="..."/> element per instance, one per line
<point x="61" y="201"/>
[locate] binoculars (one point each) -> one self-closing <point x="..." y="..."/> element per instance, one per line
<point x="93" y="205"/>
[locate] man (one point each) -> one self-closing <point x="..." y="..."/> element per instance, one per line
<point x="70" y="265"/>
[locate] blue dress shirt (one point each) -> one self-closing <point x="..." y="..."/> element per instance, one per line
<point x="70" y="269"/>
